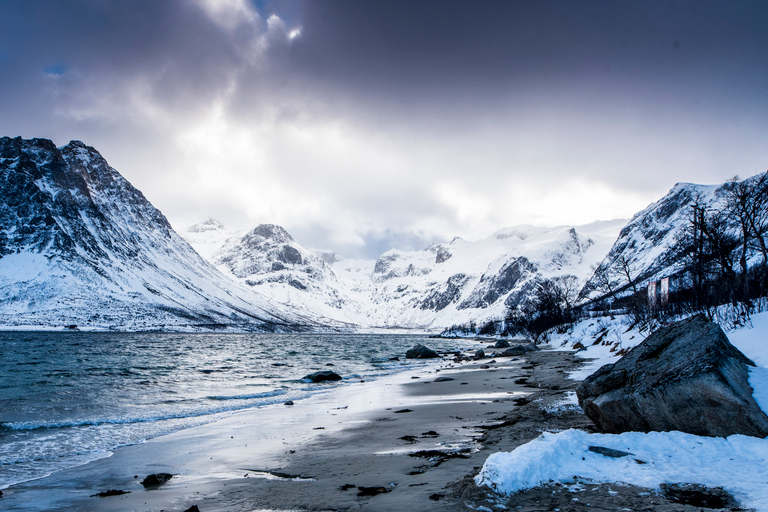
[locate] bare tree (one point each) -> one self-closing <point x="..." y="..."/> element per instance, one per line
<point x="747" y="206"/>
<point x="602" y="277"/>
<point x="622" y="265"/>
<point x="568" y="289"/>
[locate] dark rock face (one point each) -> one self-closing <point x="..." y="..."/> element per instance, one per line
<point x="493" y="286"/>
<point x="323" y="376"/>
<point x="442" y="255"/>
<point x="439" y="299"/>
<point x="685" y="377"/>
<point x="419" y="351"/>
<point x="290" y="255"/>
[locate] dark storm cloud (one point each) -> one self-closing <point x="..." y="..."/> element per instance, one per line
<point x="367" y="122"/>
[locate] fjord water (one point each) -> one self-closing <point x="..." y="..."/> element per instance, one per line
<point x="69" y="398"/>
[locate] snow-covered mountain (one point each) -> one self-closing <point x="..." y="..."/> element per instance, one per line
<point x="648" y="245"/>
<point x="443" y="285"/>
<point x="79" y="245"/>
<point x="268" y="260"/>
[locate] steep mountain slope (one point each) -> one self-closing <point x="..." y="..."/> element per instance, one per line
<point x="647" y="247"/>
<point x="443" y="285"/>
<point x="80" y="245"/>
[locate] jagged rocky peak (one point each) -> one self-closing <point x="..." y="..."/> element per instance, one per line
<point x="272" y="232"/>
<point x="209" y="224"/>
<point x="69" y="199"/>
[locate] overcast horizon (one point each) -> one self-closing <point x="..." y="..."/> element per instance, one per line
<point x="363" y="126"/>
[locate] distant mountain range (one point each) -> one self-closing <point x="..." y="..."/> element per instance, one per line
<point x="446" y="284"/>
<point x="79" y="245"/>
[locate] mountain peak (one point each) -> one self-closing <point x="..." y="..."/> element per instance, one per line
<point x="272" y="232"/>
<point x="209" y="224"/>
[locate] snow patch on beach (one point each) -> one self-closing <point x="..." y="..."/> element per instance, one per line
<point x="737" y="463"/>
<point x="599" y="341"/>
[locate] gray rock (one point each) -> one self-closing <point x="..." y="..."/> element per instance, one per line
<point x="419" y="351"/>
<point x="323" y="376"/>
<point x="685" y="377"/>
<point x="479" y="353"/>
<point x="501" y="344"/>
<point x="518" y="350"/>
<point x="609" y="452"/>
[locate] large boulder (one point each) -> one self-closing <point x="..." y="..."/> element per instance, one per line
<point x="685" y="377"/>
<point x="419" y="351"/>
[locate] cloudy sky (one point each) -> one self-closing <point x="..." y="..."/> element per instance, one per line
<point x="363" y="125"/>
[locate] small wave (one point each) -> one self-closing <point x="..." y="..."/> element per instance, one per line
<point x="32" y="425"/>
<point x="266" y="394"/>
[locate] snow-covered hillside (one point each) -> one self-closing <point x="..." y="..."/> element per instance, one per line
<point x="79" y="245"/>
<point x="648" y="244"/>
<point x="443" y="285"/>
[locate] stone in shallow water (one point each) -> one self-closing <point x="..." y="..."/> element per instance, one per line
<point x="419" y="351"/>
<point x="685" y="377"/>
<point x="323" y="376"/>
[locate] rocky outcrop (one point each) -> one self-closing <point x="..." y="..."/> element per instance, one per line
<point x="685" y="377"/>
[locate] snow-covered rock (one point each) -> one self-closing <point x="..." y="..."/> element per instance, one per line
<point x="79" y="245"/>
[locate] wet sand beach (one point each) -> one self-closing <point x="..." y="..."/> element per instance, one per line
<point x="412" y="441"/>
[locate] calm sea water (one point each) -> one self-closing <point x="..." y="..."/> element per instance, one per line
<point x="68" y="398"/>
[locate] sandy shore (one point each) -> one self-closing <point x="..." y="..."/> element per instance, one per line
<point x="419" y="437"/>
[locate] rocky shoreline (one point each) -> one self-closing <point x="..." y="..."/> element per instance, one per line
<point x="418" y="447"/>
<point x="425" y="456"/>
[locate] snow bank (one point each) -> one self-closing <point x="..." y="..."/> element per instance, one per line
<point x="737" y="463"/>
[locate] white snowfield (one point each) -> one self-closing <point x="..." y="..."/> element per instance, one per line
<point x="737" y="463"/>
